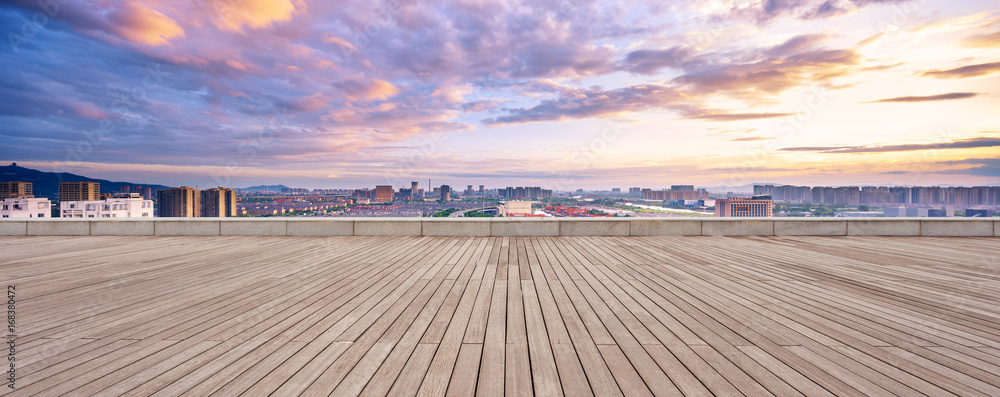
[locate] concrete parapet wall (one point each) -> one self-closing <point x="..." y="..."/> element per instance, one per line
<point x="737" y="227"/>
<point x="502" y="227"/>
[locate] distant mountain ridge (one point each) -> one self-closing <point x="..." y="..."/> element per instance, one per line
<point x="261" y="188"/>
<point x="46" y="184"/>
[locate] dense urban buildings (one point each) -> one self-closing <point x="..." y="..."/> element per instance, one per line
<point x="120" y="205"/>
<point x="218" y="202"/>
<point x="526" y="193"/>
<point x="16" y="190"/>
<point x="883" y="195"/>
<point x="145" y="191"/>
<point x="79" y="191"/>
<point x="673" y="195"/>
<point x="25" y="207"/>
<point x="750" y="207"/>
<point x="178" y="202"/>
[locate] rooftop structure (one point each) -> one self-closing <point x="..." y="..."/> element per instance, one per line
<point x="517" y="316"/>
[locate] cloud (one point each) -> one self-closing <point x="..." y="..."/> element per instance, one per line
<point x="367" y="89"/>
<point x="983" y="40"/>
<point x="234" y="15"/>
<point x="989" y="167"/>
<point x="591" y="103"/>
<point x="651" y="61"/>
<point x="942" y="97"/>
<point x="767" y="76"/>
<point x="738" y="116"/>
<point x="141" y="24"/>
<point x="482" y="105"/>
<point x="958" y="144"/>
<point x="964" y="71"/>
<point x="766" y="11"/>
<point x="752" y="139"/>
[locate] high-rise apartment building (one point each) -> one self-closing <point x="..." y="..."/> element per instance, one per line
<point x="218" y="202"/>
<point x="79" y="191"/>
<point x="146" y="192"/>
<point x="530" y="193"/>
<point x="482" y="190"/>
<point x="16" y="190"/>
<point x="445" y="192"/>
<point x="383" y="194"/>
<point x="682" y="188"/>
<point x="884" y="195"/>
<point x="673" y="195"/>
<point x="178" y="202"/>
<point x="744" y="207"/>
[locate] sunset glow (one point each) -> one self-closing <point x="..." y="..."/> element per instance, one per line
<point x="560" y="94"/>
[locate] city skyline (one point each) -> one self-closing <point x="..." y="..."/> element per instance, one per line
<point x="563" y="95"/>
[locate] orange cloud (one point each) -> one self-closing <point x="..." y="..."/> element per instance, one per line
<point x="331" y="38"/>
<point x="234" y="15"/>
<point x="140" y="24"/>
<point x="367" y="89"/>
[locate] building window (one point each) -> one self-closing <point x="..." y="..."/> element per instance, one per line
<point x="41" y="215"/>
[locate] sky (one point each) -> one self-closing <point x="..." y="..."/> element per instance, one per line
<point x="562" y="94"/>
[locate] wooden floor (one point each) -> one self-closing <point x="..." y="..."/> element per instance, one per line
<point x="576" y="316"/>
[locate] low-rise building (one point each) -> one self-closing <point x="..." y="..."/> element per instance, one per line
<point x="25" y="207"/>
<point x="745" y="207"/>
<point x="915" y="212"/>
<point x="982" y="213"/>
<point x="515" y="208"/>
<point x="122" y="205"/>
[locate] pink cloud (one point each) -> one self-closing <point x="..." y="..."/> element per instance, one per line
<point x="141" y="24"/>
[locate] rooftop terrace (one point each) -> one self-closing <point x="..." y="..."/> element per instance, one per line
<point x="348" y="315"/>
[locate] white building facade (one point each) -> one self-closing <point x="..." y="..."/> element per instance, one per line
<point x="25" y="208"/>
<point x="122" y="205"/>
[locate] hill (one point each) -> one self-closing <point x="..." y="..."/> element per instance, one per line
<point x="46" y="184"/>
<point x="261" y="188"/>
